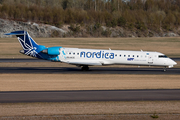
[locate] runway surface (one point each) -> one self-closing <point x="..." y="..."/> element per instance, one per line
<point x="76" y="70"/>
<point x="93" y="70"/>
<point x="39" y="60"/>
<point x="96" y="95"/>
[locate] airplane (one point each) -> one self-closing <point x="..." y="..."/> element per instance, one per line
<point x="90" y="57"/>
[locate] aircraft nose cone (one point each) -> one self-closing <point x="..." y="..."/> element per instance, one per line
<point x="171" y="63"/>
<point x="174" y="63"/>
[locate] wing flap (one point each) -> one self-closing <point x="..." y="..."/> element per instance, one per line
<point x="80" y="62"/>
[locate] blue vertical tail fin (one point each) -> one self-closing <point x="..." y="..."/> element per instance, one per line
<point x="30" y="47"/>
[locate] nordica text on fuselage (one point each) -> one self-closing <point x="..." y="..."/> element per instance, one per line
<point x="100" y="54"/>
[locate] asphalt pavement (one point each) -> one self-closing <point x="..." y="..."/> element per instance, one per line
<point x="92" y="70"/>
<point x="90" y="95"/>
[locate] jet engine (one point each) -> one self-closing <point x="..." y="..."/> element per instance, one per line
<point x="51" y="51"/>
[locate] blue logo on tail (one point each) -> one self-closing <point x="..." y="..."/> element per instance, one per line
<point x="28" y="44"/>
<point x="31" y="48"/>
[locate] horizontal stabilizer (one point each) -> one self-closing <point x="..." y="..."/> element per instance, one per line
<point x="16" y="33"/>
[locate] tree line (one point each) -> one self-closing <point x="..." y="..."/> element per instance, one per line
<point x="139" y="14"/>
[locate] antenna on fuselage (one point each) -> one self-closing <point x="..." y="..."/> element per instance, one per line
<point x="109" y="48"/>
<point x="141" y="50"/>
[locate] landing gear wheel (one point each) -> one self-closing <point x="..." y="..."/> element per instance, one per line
<point x="164" y="69"/>
<point x="85" y="68"/>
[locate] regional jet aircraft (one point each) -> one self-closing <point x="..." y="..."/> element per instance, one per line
<point x="90" y="57"/>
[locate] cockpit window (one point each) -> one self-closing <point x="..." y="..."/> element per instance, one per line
<point x="162" y="56"/>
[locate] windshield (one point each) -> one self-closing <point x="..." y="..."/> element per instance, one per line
<point x="162" y="56"/>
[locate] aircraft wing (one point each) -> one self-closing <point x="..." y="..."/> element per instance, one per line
<point x="83" y="62"/>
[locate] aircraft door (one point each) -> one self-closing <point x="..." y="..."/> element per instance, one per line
<point x="150" y="59"/>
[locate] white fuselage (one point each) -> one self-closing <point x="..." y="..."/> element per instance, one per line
<point x="87" y="57"/>
<point x="82" y="57"/>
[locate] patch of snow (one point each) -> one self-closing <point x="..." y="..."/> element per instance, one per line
<point x="35" y="24"/>
<point x="58" y="29"/>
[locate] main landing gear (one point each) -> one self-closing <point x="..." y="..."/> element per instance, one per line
<point x="85" y="68"/>
<point x="164" y="69"/>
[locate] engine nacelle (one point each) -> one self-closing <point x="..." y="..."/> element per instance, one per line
<point x="51" y="51"/>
